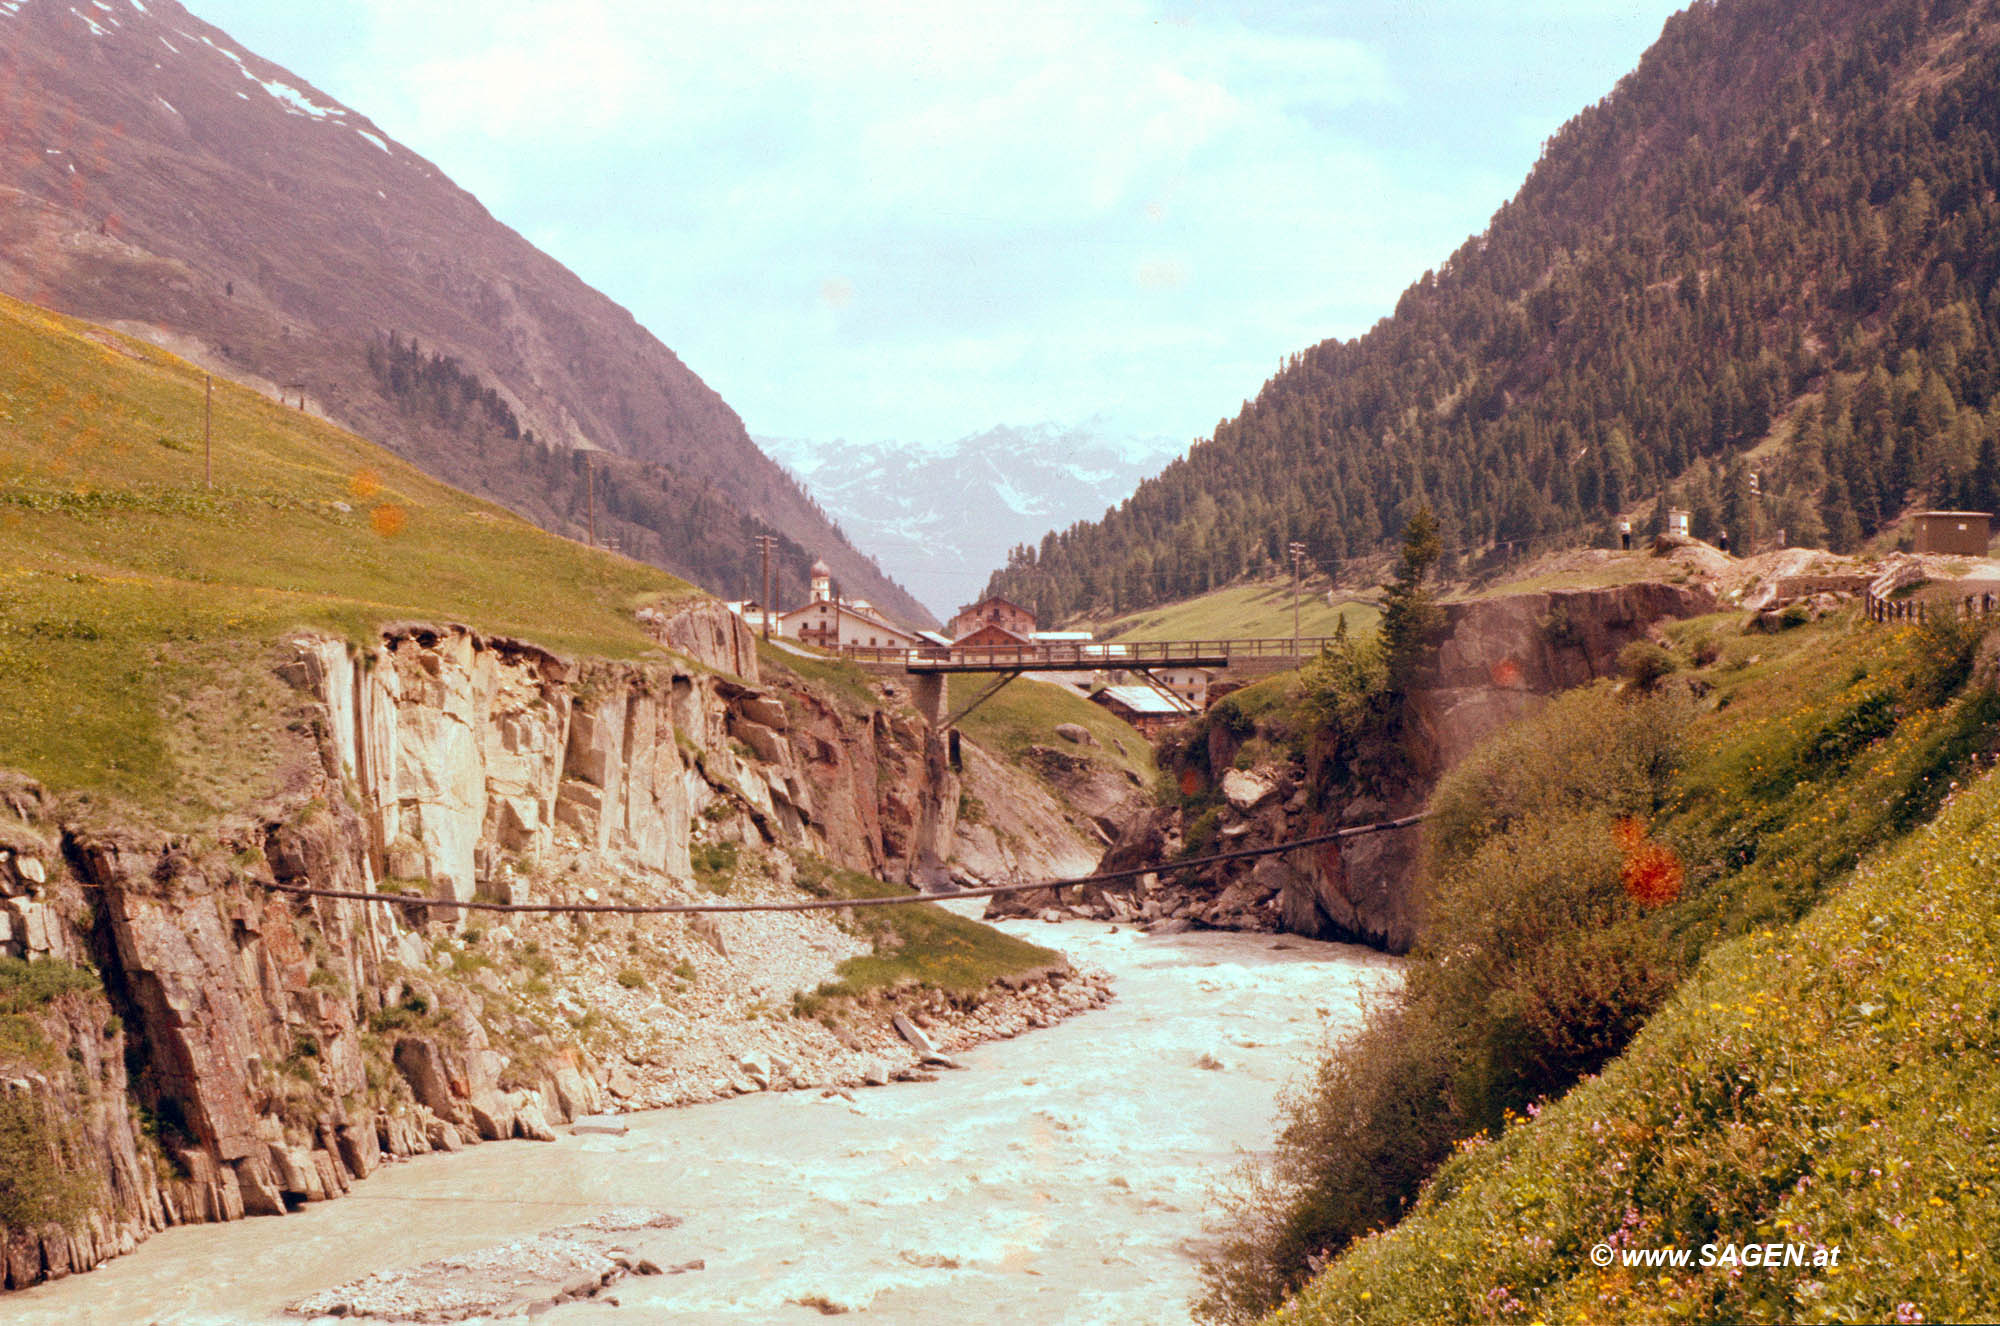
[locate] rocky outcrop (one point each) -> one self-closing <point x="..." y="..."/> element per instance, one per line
<point x="248" y="1051"/>
<point x="1011" y="830"/>
<point x="706" y="632"/>
<point x="1499" y="660"/>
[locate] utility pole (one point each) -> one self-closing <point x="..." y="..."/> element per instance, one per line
<point x="208" y="431"/>
<point x="765" y="544"/>
<point x="590" y="493"/>
<point x="1756" y="525"/>
<point x="1298" y="558"/>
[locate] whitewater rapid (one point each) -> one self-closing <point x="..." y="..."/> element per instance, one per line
<point x="1064" y="1176"/>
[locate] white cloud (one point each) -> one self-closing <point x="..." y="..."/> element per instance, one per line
<point x="902" y="219"/>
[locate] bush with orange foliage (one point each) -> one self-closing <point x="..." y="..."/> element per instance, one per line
<point x="1652" y="873"/>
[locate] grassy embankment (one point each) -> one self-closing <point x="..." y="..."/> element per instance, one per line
<point x="1262" y="610"/>
<point x="130" y="593"/>
<point x="1025" y="713"/>
<point x="1815" y="1013"/>
<point x="922" y="946"/>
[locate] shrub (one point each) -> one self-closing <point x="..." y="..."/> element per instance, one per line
<point x="1536" y="965"/>
<point x="1644" y="664"/>
<point x="45" y="1175"/>
<point x="1536" y="951"/>
<point x="28" y="984"/>
<point x="1536" y="968"/>
<point x="1589" y="748"/>
<point x="1357" y="1141"/>
<point x="714" y="865"/>
<point x="411" y="1010"/>
<point x="1199" y="836"/>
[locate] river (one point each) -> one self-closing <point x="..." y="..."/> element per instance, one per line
<point x="1064" y="1176"/>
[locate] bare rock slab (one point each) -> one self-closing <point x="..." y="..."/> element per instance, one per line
<point x="910" y="1032"/>
<point x="516" y="1278"/>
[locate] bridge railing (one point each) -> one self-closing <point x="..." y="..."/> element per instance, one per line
<point x="1101" y="654"/>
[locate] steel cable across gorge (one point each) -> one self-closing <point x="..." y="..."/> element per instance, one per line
<point x="822" y="904"/>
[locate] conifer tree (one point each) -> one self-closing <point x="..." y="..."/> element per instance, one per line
<point x="1411" y="617"/>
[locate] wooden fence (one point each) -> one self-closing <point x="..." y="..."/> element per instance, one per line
<point x="1883" y="609"/>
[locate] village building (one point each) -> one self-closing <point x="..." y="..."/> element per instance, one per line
<point x="1191" y="684"/>
<point x="831" y="622"/>
<point x="1955" y="533"/>
<point x="1147" y="708"/>
<point x="995" y="611"/>
<point x="992" y="636"/>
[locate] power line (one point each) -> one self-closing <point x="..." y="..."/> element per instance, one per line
<point x="823" y="904"/>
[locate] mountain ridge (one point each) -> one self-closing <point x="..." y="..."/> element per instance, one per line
<point x="156" y="175"/>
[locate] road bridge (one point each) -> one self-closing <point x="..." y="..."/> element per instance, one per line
<point x="930" y="665"/>
<point x="1095" y="655"/>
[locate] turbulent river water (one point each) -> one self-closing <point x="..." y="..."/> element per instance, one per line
<point x="1064" y="1176"/>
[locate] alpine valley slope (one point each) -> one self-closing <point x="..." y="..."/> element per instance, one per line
<point x="156" y="176"/>
<point x="330" y="669"/>
<point x="1769" y="252"/>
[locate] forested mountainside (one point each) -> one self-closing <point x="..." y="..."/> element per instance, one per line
<point x="1772" y="249"/>
<point x="157" y="176"/>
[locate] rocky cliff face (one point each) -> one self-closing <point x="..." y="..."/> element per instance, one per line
<point x="241" y="1051"/>
<point x="1499" y="659"/>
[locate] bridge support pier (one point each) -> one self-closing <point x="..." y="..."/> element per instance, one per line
<point x="931" y="698"/>
<point x="937" y="806"/>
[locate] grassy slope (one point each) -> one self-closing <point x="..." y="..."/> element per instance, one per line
<point x="1571" y="572"/>
<point x="926" y="945"/>
<point x="126" y="585"/>
<point x="1262" y="610"/>
<point x="1828" y="1080"/>
<point x="1025" y="713"/>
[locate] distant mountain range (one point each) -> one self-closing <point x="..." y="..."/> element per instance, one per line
<point x="157" y="176"/>
<point x="940" y="517"/>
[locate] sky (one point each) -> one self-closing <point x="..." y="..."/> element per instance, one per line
<point x="916" y="221"/>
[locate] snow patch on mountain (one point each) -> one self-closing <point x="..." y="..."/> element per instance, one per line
<point x="941" y="516"/>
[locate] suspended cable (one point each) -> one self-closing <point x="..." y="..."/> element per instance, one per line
<point x="822" y="904"/>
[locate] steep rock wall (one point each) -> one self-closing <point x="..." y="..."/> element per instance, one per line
<point x="250" y="1051"/>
